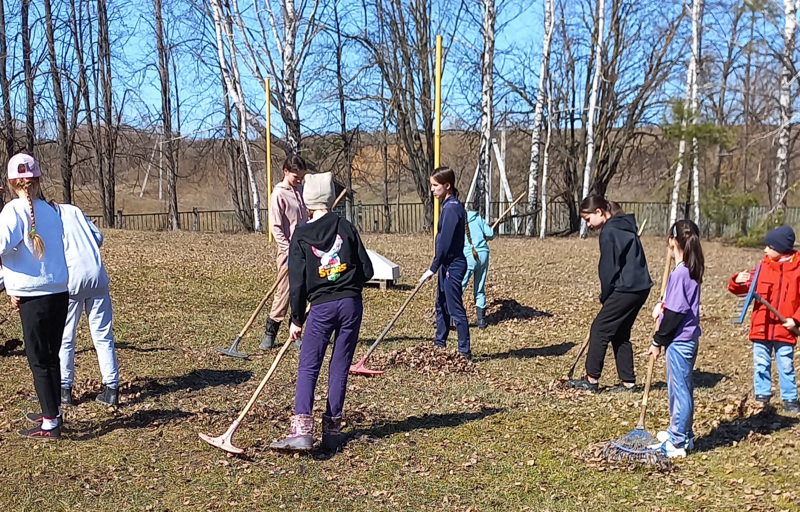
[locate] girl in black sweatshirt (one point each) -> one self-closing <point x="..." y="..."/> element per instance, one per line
<point x="328" y="266"/>
<point x="624" y="286"/>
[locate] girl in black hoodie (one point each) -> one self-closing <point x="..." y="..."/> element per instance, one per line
<point x="328" y="266"/>
<point x="624" y="286"/>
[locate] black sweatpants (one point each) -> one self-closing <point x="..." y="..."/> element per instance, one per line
<point x="43" y="318"/>
<point x="613" y="325"/>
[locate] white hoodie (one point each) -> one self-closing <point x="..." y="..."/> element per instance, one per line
<point x="24" y="274"/>
<point x="82" y="241"/>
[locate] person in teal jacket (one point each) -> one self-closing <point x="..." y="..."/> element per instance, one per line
<point x="477" y="233"/>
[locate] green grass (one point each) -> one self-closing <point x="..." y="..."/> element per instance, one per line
<point x="499" y="437"/>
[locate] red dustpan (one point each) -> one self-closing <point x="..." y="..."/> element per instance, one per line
<point x="359" y="368"/>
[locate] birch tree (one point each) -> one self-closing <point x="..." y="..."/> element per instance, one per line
<point x="482" y="186"/>
<point x="536" y="135"/>
<point x="697" y="34"/>
<point x="590" y="116"/>
<point x="787" y="77"/>
<point x="223" y="24"/>
<point x="546" y="160"/>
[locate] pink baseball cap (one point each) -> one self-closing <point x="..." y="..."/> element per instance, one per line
<point x="23" y="165"/>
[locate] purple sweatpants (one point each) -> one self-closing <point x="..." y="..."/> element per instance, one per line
<point x="342" y="317"/>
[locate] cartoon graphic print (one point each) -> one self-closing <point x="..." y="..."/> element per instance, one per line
<point x="330" y="265"/>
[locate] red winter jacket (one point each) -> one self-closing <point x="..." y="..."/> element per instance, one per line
<point x="779" y="284"/>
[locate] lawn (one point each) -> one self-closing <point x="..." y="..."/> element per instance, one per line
<point x="429" y="434"/>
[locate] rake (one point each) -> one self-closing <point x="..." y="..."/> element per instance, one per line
<point x="225" y="441"/>
<point x="233" y="350"/>
<point x="359" y="368"/>
<point x="752" y="296"/>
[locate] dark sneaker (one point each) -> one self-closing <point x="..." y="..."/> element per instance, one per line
<point x="66" y="396"/>
<point x="583" y="384"/>
<point x="36" y="419"/>
<point x="764" y="399"/>
<point x="108" y="396"/>
<point x="791" y="406"/>
<point x="623" y="388"/>
<point x="466" y="355"/>
<point x="39" y="433"/>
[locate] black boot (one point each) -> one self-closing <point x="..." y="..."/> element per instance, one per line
<point x="481" y="312"/>
<point x="108" y="396"/>
<point x="270" y="333"/>
<point x="66" y="396"/>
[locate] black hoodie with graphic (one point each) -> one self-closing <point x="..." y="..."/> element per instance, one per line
<point x="327" y="262"/>
<point x="622" y="267"/>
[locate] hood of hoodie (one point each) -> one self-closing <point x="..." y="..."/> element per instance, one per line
<point x="322" y="232"/>
<point x="625" y="222"/>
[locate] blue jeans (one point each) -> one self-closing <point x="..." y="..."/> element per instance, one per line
<point x="479" y="268"/>
<point x="762" y="371"/>
<point x="680" y="359"/>
<point x="450" y="304"/>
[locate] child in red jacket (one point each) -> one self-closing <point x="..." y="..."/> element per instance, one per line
<point x="779" y="284"/>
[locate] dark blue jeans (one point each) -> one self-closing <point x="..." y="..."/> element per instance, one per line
<point x="450" y="304"/>
<point x="342" y="317"/>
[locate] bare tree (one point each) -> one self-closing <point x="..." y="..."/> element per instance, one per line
<point x="166" y="117"/>
<point x="697" y="34"/>
<point x="787" y="77"/>
<point x="536" y="133"/>
<point x="30" y="101"/>
<point x="5" y="87"/>
<point x="483" y="182"/>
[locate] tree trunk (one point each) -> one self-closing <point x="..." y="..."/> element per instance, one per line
<point x="5" y="89"/>
<point x="536" y="135"/>
<point x="697" y="34"/>
<point x="166" y="119"/>
<point x="109" y="126"/>
<point x="30" y="129"/>
<point x="64" y="152"/>
<point x="346" y="139"/>
<point x="590" y="116"/>
<point x="546" y="161"/>
<point x="782" y="168"/>
<point x="482" y="186"/>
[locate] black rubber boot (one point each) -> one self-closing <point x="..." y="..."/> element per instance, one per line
<point x="108" y="396"/>
<point x="481" y="312"/>
<point x="270" y="333"/>
<point x="332" y="436"/>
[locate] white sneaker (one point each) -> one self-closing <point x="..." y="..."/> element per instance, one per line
<point x="663" y="437"/>
<point x="672" y="452"/>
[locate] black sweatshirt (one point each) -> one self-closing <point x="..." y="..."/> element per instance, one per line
<point x="622" y="267"/>
<point x="327" y="262"/>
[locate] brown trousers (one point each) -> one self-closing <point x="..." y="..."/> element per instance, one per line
<point x="280" y="302"/>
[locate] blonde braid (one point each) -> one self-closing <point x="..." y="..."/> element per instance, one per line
<point x="27" y="184"/>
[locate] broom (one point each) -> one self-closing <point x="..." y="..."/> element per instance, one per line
<point x="638" y="445"/>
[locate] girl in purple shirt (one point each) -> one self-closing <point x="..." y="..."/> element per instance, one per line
<point x="678" y="332"/>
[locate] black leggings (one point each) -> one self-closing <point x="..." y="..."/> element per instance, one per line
<point x="43" y="318"/>
<point x="613" y="325"/>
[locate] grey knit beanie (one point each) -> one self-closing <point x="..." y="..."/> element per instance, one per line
<point x="318" y="191"/>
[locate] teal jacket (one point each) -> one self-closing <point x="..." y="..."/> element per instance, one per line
<point x="479" y="231"/>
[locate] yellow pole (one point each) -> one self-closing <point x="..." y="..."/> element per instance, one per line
<point x="268" y="142"/>
<point x="437" y="130"/>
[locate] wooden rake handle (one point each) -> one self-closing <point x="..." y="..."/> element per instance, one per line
<point x="775" y="312"/>
<point x="392" y="322"/>
<point x="284" y="271"/>
<point x="507" y="211"/>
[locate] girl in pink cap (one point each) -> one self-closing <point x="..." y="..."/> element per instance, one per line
<point x="36" y="277"/>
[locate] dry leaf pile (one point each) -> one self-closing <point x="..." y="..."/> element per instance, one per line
<point x="426" y="359"/>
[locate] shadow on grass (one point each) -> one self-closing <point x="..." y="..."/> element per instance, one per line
<point x="139" y="419"/>
<point x="738" y="429"/>
<point x="426" y="422"/>
<point x="192" y="381"/>
<point x="527" y="353"/>
<point x="702" y="380"/>
<point x="121" y="345"/>
<point x="12" y="347"/>
<point x="508" y="309"/>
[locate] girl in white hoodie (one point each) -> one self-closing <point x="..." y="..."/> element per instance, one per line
<point x="35" y="274"/>
<point x="88" y="291"/>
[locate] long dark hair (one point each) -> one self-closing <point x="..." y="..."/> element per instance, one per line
<point x="294" y="163"/>
<point x="444" y="175"/>
<point x="596" y="202"/>
<point x="687" y="235"/>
